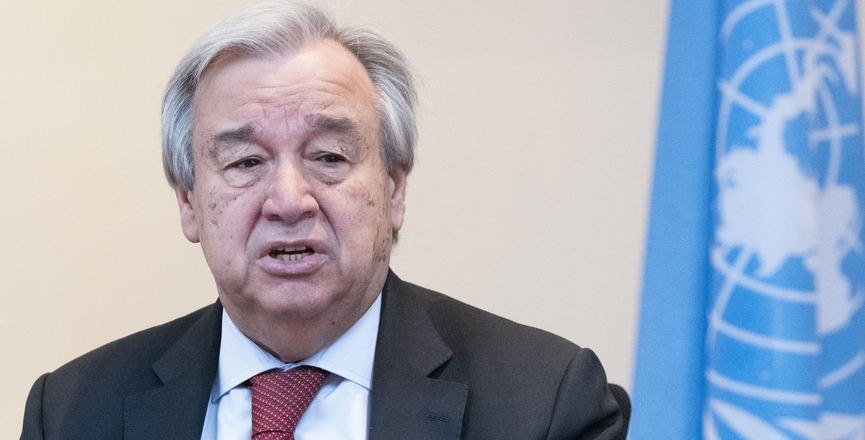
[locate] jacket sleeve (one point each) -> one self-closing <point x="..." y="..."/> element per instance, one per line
<point x="585" y="408"/>
<point x="33" y="411"/>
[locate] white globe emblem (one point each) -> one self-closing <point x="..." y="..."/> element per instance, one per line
<point x="782" y="354"/>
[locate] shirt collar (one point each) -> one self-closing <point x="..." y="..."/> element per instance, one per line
<point x="350" y="356"/>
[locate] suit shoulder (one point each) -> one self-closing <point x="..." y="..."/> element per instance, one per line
<point x="125" y="361"/>
<point x="85" y="397"/>
<point x="509" y="367"/>
<point x="466" y="326"/>
<point x="141" y="345"/>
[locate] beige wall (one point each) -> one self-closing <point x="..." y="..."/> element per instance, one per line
<point x="529" y="196"/>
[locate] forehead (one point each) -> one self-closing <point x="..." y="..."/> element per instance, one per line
<point x="283" y="92"/>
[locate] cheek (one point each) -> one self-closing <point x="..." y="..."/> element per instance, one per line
<point x="369" y="206"/>
<point x="229" y="216"/>
<point x="353" y="211"/>
<point x="370" y="216"/>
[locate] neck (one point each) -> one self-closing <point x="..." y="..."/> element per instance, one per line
<point x="294" y="337"/>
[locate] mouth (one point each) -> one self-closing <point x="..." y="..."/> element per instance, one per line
<point x="291" y="253"/>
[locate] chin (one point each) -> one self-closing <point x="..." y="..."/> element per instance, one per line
<point x="306" y="300"/>
<point x="294" y="302"/>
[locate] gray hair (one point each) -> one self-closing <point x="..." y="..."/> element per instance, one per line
<point x="272" y="29"/>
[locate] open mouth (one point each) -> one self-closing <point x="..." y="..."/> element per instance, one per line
<point x="291" y="254"/>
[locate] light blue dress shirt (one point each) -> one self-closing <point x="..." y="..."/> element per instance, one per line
<point x="339" y="410"/>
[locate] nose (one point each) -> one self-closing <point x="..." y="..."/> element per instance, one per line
<point x="289" y="195"/>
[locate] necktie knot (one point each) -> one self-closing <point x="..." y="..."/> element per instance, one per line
<point x="279" y="399"/>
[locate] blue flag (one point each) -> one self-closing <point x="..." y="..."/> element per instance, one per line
<point x="751" y="322"/>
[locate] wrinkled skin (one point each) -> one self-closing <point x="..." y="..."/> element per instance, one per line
<point x="292" y="204"/>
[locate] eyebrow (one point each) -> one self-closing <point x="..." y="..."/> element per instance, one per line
<point x="314" y="123"/>
<point x="319" y="122"/>
<point x="223" y="141"/>
<point x="242" y="134"/>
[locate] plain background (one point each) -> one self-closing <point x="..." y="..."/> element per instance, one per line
<point x="528" y="199"/>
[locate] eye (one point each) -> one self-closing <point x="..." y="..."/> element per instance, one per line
<point x="249" y="162"/>
<point x="331" y="158"/>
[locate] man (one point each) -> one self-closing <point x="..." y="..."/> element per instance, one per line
<point x="288" y="141"/>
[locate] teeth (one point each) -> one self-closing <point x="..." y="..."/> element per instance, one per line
<point x="291" y="254"/>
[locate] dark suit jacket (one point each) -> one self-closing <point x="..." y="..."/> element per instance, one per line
<point x="442" y="370"/>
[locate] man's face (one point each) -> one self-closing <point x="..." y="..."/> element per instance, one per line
<point x="292" y="203"/>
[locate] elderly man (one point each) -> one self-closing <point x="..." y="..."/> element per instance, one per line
<point x="288" y="140"/>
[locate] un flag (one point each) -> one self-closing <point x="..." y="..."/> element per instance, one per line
<point x="755" y="255"/>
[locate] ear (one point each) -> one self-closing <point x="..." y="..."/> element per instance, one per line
<point x="188" y="222"/>
<point x="397" y="198"/>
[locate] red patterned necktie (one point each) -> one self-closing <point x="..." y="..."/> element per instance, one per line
<point x="279" y="399"/>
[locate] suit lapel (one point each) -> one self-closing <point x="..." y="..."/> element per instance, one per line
<point x="405" y="401"/>
<point x="176" y="410"/>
